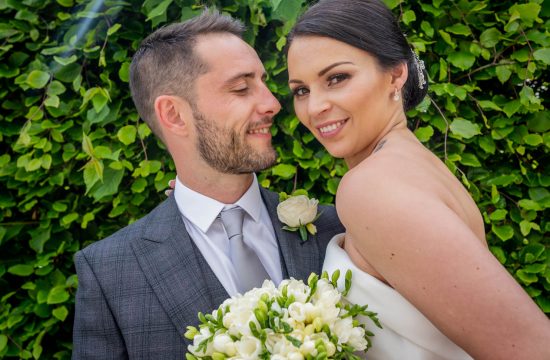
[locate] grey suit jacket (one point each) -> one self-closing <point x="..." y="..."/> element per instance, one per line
<point x="142" y="286"/>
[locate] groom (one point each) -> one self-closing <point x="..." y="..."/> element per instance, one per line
<point x="201" y="89"/>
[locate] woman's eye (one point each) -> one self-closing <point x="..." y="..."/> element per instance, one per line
<point x="299" y="91"/>
<point x="337" y="78"/>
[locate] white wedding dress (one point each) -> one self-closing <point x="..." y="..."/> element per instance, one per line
<point x="406" y="333"/>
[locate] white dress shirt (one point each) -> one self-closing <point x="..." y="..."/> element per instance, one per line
<point x="200" y="216"/>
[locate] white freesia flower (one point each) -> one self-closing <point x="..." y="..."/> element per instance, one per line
<point x="357" y="338"/>
<point x="295" y="355"/>
<point x="277" y="344"/>
<point x="298" y="289"/>
<point x="326" y="295"/>
<point x="308" y="347"/>
<point x="249" y="348"/>
<point x="200" y="337"/>
<point x="329" y="346"/>
<point x="297" y="311"/>
<point x="224" y="344"/>
<point x="297" y="210"/>
<point x="238" y="319"/>
<point x="342" y="329"/>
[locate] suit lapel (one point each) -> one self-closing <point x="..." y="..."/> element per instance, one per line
<point x="175" y="269"/>
<point x="298" y="259"/>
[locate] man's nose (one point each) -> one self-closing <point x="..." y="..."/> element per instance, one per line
<point x="269" y="105"/>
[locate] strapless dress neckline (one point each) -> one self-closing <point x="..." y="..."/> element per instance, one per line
<point x="407" y="333"/>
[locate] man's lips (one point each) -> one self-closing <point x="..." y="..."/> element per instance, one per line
<point x="264" y="130"/>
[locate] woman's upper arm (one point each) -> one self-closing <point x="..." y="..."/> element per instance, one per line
<point x="429" y="255"/>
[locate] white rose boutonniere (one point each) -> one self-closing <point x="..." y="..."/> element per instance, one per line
<point x="298" y="212"/>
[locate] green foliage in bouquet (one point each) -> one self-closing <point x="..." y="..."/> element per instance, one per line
<point x="76" y="162"/>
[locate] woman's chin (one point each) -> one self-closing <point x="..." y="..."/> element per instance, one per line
<point x="336" y="152"/>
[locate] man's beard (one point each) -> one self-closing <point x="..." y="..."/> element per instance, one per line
<point x="226" y="151"/>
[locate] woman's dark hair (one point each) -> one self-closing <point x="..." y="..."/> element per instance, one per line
<point x="367" y="25"/>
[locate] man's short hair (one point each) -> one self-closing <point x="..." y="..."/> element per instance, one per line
<point x="166" y="64"/>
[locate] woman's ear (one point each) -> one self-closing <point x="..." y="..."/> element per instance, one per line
<point x="399" y="75"/>
<point x="173" y="114"/>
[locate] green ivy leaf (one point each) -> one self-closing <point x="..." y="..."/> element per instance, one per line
<point x="65" y="3"/>
<point x="464" y="128"/>
<point x="285" y="171"/>
<point x="529" y="204"/>
<point x="68" y="219"/>
<point x="427" y="28"/>
<point x="408" y="17"/>
<point x="160" y="9"/>
<point x="37" y="79"/>
<point x="526" y="277"/>
<point x="287" y="10"/>
<point x="21" y="270"/>
<point x="124" y="72"/>
<point x="139" y="185"/>
<point x="111" y="181"/>
<point x="469" y="160"/>
<point x="490" y="37"/>
<point x="526" y="227"/>
<point x="65" y="61"/>
<point x="532" y="139"/>
<point x="542" y="55"/>
<point x="504" y="232"/>
<point x="503" y="73"/>
<point x="60" y="313"/>
<point x="332" y="185"/>
<point x="127" y="134"/>
<point x="498" y="215"/>
<point x="392" y="4"/>
<point x="3" y="342"/>
<point x="499" y="254"/>
<point x="486" y="104"/>
<point x="113" y="29"/>
<point x="424" y="133"/>
<point x="528" y="13"/>
<point x="461" y="59"/>
<point x="458" y="29"/>
<point x="57" y="295"/>
<point x="511" y="107"/>
<point x="447" y="38"/>
<point x="487" y="144"/>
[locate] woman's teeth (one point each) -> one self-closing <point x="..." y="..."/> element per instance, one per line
<point x="331" y="127"/>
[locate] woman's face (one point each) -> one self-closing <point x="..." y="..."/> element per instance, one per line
<point x="341" y="95"/>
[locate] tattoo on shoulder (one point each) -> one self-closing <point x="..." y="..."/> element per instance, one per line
<point x="379" y="146"/>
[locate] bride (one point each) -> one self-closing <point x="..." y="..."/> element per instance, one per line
<point x="415" y="238"/>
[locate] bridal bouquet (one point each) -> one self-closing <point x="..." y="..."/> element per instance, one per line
<point x="294" y="321"/>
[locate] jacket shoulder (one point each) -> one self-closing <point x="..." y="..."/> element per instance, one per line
<point x="120" y="241"/>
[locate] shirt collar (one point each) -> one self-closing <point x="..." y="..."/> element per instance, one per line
<point x="202" y="210"/>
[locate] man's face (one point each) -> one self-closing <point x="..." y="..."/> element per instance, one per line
<point x="233" y="108"/>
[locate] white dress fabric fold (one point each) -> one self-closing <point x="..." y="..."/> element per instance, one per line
<point x="407" y="333"/>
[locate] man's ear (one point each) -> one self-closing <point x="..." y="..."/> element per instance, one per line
<point x="399" y="75"/>
<point x="173" y="114"/>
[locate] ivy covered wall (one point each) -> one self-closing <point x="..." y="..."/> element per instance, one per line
<point x="76" y="162"/>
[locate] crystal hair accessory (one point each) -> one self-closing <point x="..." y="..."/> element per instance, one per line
<point x="420" y="67"/>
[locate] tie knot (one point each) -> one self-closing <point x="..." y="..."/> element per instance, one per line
<point x="232" y="220"/>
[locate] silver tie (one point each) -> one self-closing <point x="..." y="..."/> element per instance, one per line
<point x="248" y="266"/>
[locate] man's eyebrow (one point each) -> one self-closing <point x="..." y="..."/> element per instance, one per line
<point x="324" y="71"/>
<point x="245" y="75"/>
